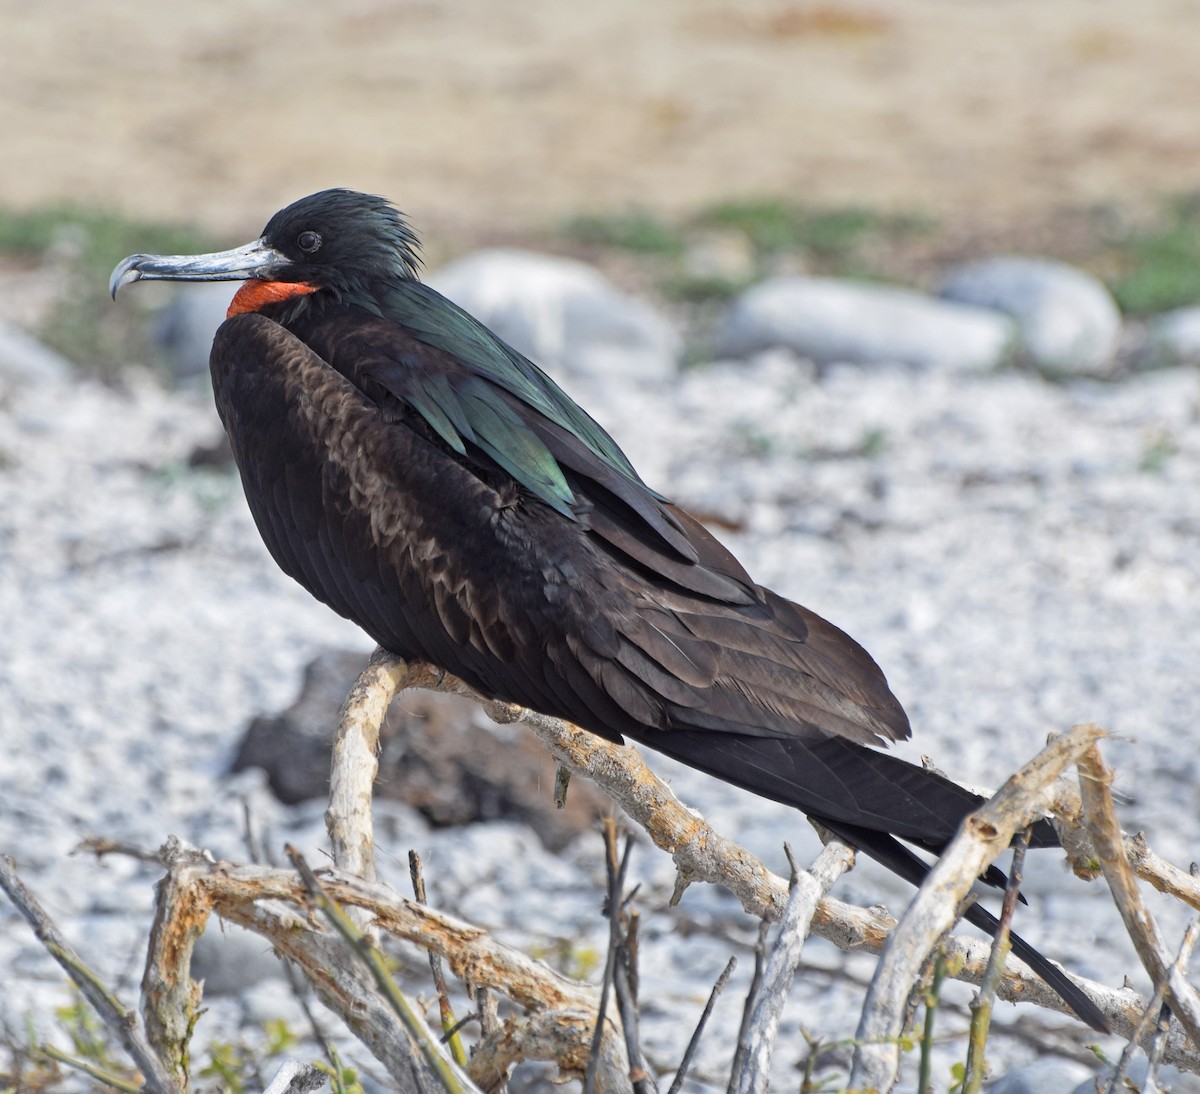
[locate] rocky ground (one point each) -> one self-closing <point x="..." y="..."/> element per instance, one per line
<point x="1019" y="553"/>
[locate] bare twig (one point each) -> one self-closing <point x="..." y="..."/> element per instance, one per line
<point x="932" y="999"/>
<point x="121" y="1023"/>
<point x="981" y="1005"/>
<point x="128" y="1086"/>
<point x="446" y="1011"/>
<point x="1154" y="1057"/>
<point x="98" y="846"/>
<point x="694" y="1043"/>
<point x="1154" y="1008"/>
<point x="702" y="854"/>
<point x="440" y="1067"/>
<point x="617" y="971"/>
<point x="756" y="977"/>
<point x="983" y="836"/>
<point x="807" y="888"/>
<point x="1164" y="876"/>
<point x="1095" y="779"/>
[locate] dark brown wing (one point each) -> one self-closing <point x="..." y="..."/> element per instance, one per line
<point x="450" y="547"/>
<point x="599" y="617"/>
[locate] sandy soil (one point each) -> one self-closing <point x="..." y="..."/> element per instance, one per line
<point x="480" y="116"/>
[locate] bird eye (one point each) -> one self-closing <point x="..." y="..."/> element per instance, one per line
<point x="308" y="242"/>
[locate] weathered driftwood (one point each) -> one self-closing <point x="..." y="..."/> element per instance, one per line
<point x="1095" y="781"/>
<point x="984" y="836"/>
<point x="119" y="1022"/>
<point x="273" y="903"/>
<point x="807" y="887"/>
<point x="561" y="1014"/>
<point x="702" y="854"/>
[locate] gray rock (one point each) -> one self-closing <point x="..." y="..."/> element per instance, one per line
<point x="184" y="329"/>
<point x="840" y="321"/>
<point x="1048" y="1076"/>
<point x="25" y="359"/>
<point x="435" y="756"/>
<point x="1067" y="319"/>
<point x="1175" y="336"/>
<point x="562" y="314"/>
<point x="230" y="959"/>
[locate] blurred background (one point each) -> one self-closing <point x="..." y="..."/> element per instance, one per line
<point x="882" y="139"/>
<point x="482" y="118"/>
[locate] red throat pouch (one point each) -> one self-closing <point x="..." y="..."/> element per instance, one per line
<point x="256" y="295"/>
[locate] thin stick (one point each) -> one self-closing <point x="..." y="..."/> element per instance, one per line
<point x="1116" y="1084"/>
<point x="88" y="1068"/>
<point x="616" y="971"/>
<point x="694" y="1043"/>
<point x="807" y="888"/>
<point x="924" y="1074"/>
<point x="120" y="1022"/>
<point x="756" y="978"/>
<point x="1154" y="1056"/>
<point x="450" y="1024"/>
<point x="981" y="1005"/>
<point x="1095" y="779"/>
<point x="442" y="1068"/>
<point x="983" y="836"/>
<point x="610" y="864"/>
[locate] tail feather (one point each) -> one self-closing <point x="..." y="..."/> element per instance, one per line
<point x="899" y="859"/>
<point x="869" y="799"/>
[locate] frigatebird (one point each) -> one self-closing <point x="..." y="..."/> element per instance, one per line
<point x="424" y="479"/>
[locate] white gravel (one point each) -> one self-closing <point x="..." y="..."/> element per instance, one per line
<point x="1019" y="556"/>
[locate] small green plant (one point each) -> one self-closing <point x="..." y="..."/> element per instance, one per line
<point x="88" y="1040"/>
<point x="1158" y="448"/>
<point x="572" y="958"/>
<point x="833" y="237"/>
<point x="702" y="290"/>
<point x="342" y="1080"/>
<point x="1160" y="264"/>
<point x="753" y="439"/>
<point x="281" y="1038"/>
<point x="638" y="230"/>
<point x="227" y="1064"/>
<point x="873" y="443"/>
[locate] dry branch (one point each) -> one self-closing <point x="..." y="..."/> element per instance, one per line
<point x="120" y="1022"/>
<point x="984" y="835"/>
<point x="560" y="1013"/>
<point x="355" y="763"/>
<point x="702" y="854"/>
<point x="1095" y="781"/>
<point x="269" y="901"/>
<point x="806" y="890"/>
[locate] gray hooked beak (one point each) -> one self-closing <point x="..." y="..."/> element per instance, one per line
<point x="257" y="260"/>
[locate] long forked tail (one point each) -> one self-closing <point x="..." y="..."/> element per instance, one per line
<point x="868" y="798"/>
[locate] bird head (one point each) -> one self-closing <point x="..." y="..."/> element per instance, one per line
<point x="340" y="241"/>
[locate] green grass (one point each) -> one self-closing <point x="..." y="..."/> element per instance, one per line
<point x="829" y="235"/>
<point x="1160" y="264"/>
<point x="83" y="246"/>
<point x="636" y="230"/>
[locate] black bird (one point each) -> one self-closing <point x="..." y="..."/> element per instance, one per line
<point x="430" y="483"/>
